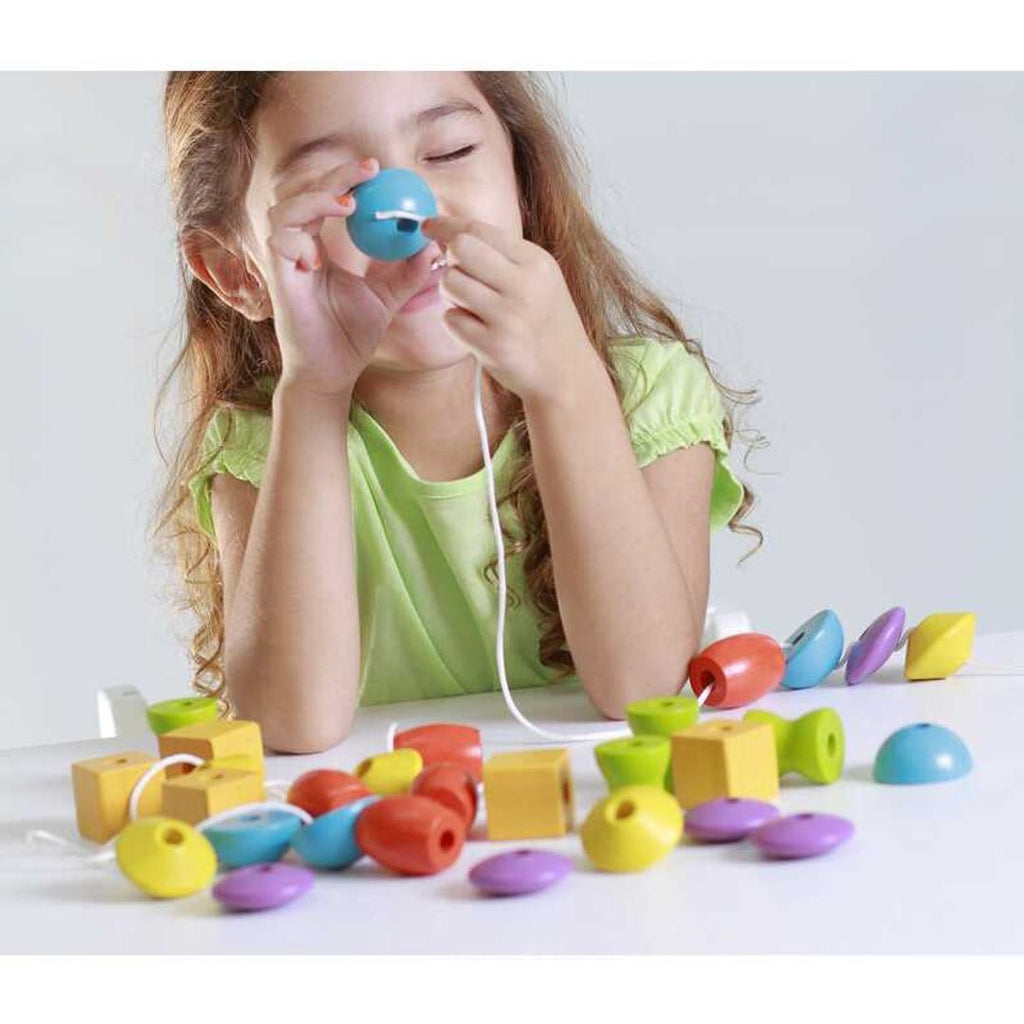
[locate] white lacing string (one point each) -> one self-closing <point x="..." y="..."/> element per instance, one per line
<point x="107" y="851"/>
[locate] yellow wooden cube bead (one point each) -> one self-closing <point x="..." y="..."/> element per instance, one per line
<point x="529" y="794"/>
<point x="213" y="740"/>
<point x="390" y="774"/>
<point x="208" y="791"/>
<point x="722" y="759"/>
<point x="102" y="788"/>
<point x="938" y="645"/>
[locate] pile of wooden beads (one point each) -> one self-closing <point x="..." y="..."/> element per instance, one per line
<point x="410" y="808"/>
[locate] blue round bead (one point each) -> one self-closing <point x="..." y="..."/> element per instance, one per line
<point x="253" y="838"/>
<point x="816" y="648"/>
<point x="922" y="753"/>
<point x="330" y="840"/>
<point x="391" y="238"/>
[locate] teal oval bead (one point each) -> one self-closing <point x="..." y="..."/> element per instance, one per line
<point x="254" y="838"/>
<point x="634" y="761"/>
<point x="329" y="842"/>
<point x="816" y="648"/>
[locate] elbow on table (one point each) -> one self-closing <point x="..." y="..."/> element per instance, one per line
<point x="284" y="737"/>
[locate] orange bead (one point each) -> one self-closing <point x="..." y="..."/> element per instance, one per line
<point x="411" y="835"/>
<point x="444" y="743"/>
<point x="740" y="669"/>
<point x="450" y="785"/>
<point x="325" y="789"/>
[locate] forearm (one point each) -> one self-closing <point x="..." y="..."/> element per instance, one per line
<point x="292" y="647"/>
<point x="622" y="596"/>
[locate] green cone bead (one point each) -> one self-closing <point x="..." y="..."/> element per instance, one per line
<point x="634" y="761"/>
<point x="813" y="745"/>
<point x="173" y="714"/>
<point x="662" y="716"/>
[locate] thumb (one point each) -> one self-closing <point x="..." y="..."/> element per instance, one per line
<point x="397" y="282"/>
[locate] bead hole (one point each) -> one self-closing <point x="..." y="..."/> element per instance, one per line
<point x="174" y="837"/>
<point x="121" y="760"/>
<point x="805" y="816"/>
<point x="832" y="744"/>
<point x="364" y="767"/>
<point x="797" y="638"/>
<point x="625" y="809"/>
<point x="447" y="840"/>
<point x="406" y="225"/>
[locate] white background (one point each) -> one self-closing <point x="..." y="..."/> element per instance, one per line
<point x="848" y="242"/>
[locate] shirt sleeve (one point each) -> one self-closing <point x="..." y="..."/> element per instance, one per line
<point x="670" y="402"/>
<point x="236" y="442"/>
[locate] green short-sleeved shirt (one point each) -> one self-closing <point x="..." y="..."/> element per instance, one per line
<point x="427" y="613"/>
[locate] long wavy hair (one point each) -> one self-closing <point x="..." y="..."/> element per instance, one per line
<point x="209" y="130"/>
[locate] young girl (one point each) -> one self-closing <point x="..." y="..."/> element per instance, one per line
<point x="332" y="482"/>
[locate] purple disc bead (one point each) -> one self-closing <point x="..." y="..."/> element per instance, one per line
<point x="519" y="871"/>
<point x="263" y="886"/>
<point x="802" y="835"/>
<point x="874" y="646"/>
<point x="727" y="819"/>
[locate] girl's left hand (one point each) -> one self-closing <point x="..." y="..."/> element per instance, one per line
<point x="512" y="307"/>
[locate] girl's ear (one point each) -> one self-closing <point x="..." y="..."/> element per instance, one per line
<point x="224" y="272"/>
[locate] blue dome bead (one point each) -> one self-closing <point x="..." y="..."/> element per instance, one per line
<point x="922" y="753"/>
<point x="253" y="838"/>
<point x="391" y="238"/>
<point x="330" y="841"/>
<point x="816" y="649"/>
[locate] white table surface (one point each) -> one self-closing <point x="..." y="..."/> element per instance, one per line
<point x="930" y="869"/>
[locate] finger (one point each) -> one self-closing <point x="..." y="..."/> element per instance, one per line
<point x="479" y="260"/>
<point x="308" y="209"/>
<point x="297" y="247"/>
<point x="467" y="292"/>
<point x="445" y="229"/>
<point x="342" y="178"/>
<point x="466" y="327"/>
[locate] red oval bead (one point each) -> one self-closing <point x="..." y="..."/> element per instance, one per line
<point x="410" y="834"/>
<point x="446" y="743"/>
<point x="739" y="669"/>
<point x="325" y="789"/>
<point x="451" y="786"/>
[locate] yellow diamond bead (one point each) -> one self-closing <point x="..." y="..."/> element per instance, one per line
<point x="165" y="857"/>
<point x="939" y="644"/>
<point x="632" y="828"/>
<point x="391" y="774"/>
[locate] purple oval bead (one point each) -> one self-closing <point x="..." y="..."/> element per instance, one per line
<point x="874" y="646"/>
<point x="520" y="871"/>
<point x="802" y="835"/>
<point x="727" y="819"/>
<point x="263" y="886"/>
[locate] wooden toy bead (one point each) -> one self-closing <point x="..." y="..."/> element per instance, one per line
<point x="166" y="858"/>
<point x="392" y="773"/>
<point x="329" y="841"/>
<point x="102" y="787"/>
<point x="634" y="760"/>
<point x="445" y="743"/>
<point x="814" y="745"/>
<point x="263" y="886"/>
<point x="632" y="828"/>
<point x="239" y="762"/>
<point x="739" y="669"/>
<point x="724" y="758"/>
<point x="528" y="793"/>
<point x="814" y="650"/>
<point x="206" y="792"/>
<point x="872" y="649"/>
<point x="212" y="740"/>
<point x="662" y="716"/>
<point x="921" y="753"/>
<point x="254" y="838"/>
<point x="173" y="714"/>
<point x="939" y="644"/>
<point x="410" y="835"/>
<point x="324" y="789"/>
<point x="450" y="785"/>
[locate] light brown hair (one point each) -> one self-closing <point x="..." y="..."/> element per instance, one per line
<point x="208" y="121"/>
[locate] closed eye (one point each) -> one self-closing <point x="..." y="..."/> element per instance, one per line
<point x="457" y="154"/>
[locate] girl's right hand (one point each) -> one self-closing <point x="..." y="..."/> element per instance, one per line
<point x="328" y="321"/>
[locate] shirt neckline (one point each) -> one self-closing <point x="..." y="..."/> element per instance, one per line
<point x="376" y="436"/>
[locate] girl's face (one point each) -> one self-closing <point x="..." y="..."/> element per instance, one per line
<point x="465" y="158"/>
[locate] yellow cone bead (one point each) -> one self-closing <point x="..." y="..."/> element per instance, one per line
<point x="165" y="857"/>
<point x="391" y="774"/>
<point x="632" y="828"/>
<point x="939" y="644"/>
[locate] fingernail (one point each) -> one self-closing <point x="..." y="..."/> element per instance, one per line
<point x="344" y="200"/>
<point x="366" y="163"/>
<point x="300" y="264"/>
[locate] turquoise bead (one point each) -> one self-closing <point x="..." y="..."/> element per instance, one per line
<point x="393" y="238"/>
<point x="254" y="838"/>
<point x="330" y="841"/>
<point x="922" y="753"/>
<point x="816" y="649"/>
